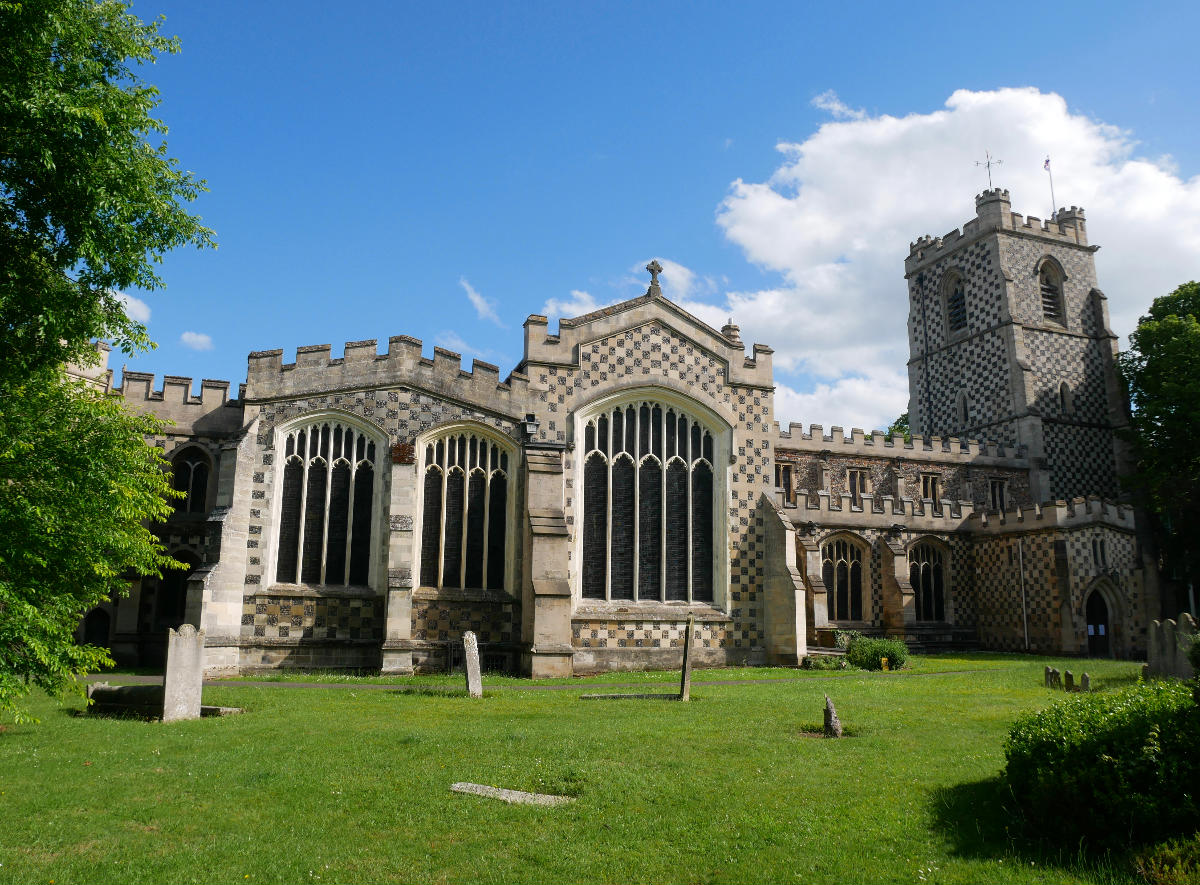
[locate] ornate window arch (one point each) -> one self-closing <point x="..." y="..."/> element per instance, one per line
<point x="927" y="572"/>
<point x="191" y="468"/>
<point x="844" y="561"/>
<point x="1051" y="277"/>
<point x="466" y="507"/>
<point x="652" y="509"/>
<point x="326" y="501"/>
<point x="954" y="295"/>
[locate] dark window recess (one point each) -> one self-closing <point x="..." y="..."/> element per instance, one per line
<point x="595" y="527"/>
<point x="650" y="530"/>
<point x="497" y="531"/>
<point x="841" y="569"/>
<point x="452" y="548"/>
<point x="956" y="306"/>
<point x="677" y="540"/>
<point x="623" y="551"/>
<point x="191" y="478"/>
<point x="314" y="523"/>
<point x="928" y="574"/>
<point x="1051" y="290"/>
<point x="289" y="522"/>
<point x="360" y="544"/>
<point x="702" y="533"/>
<point x="431" y="527"/>
<point x="476" y="500"/>
<point x="339" y="524"/>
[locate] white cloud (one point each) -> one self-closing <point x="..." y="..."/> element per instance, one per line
<point x="578" y="304"/>
<point x="829" y="101"/>
<point x="196" y="340"/>
<point x="135" y="308"/>
<point x="836" y="218"/>
<point x="678" y="282"/>
<point x="483" y="307"/>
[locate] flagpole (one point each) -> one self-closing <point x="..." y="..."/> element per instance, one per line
<point x="1053" y="203"/>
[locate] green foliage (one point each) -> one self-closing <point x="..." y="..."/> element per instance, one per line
<point x="843" y="638"/>
<point x="77" y="487"/>
<point x="1176" y="862"/>
<point x="89" y="200"/>
<point x="1161" y="371"/>
<point x="823" y="662"/>
<point x="868" y="654"/>
<point x="1111" y="766"/>
<point x="900" y="426"/>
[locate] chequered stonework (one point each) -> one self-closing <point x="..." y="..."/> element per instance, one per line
<point x="282" y="617"/>
<point x="645" y="634"/>
<point x="440" y="620"/>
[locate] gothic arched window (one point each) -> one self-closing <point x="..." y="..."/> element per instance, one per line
<point x="842" y="571"/>
<point x="1050" y="284"/>
<point x="191" y="470"/>
<point x="956" y="303"/>
<point x="927" y="573"/>
<point x="326" y="505"/>
<point x="1066" y="401"/>
<point x="464" y="524"/>
<point x="648" y="505"/>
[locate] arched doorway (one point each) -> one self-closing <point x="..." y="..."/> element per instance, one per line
<point x="1097" y="626"/>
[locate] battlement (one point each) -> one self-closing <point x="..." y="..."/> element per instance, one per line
<point x="1056" y="514"/>
<point x="879" y="512"/>
<point x="878" y="445"/>
<point x="1068" y="227"/>
<point x="316" y="370"/>
<point x="541" y="347"/>
<point x="210" y="412"/>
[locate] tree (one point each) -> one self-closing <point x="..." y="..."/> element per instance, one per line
<point x="900" y="426"/>
<point x="87" y="204"/>
<point x="1161" y="371"/>
<point x="79" y="487"/>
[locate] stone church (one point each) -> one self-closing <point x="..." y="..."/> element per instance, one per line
<point x="364" y="510"/>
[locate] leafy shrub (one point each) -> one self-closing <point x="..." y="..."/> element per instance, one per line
<point x="868" y="654"/>
<point x="1171" y="863"/>
<point x="823" y="662"/>
<point x="1121" y="766"/>
<point x="843" y="638"/>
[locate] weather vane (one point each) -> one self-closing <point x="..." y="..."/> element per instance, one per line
<point x="991" y="161"/>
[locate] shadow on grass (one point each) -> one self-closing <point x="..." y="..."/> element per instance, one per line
<point x="981" y="820"/>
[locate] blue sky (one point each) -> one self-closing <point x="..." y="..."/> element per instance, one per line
<point x="444" y="170"/>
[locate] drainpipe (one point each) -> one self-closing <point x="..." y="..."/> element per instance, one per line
<point x="1024" y="608"/>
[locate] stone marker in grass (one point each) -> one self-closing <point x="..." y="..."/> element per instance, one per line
<point x="185" y="674"/>
<point x="518" y="797"/>
<point x="685" y="677"/>
<point x="1068" y="680"/>
<point x="471" y="651"/>
<point x="833" y="725"/>
<point x="1085" y="682"/>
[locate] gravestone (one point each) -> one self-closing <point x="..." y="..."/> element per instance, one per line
<point x="1055" y="678"/>
<point x="1068" y="680"/>
<point x="685" y="678"/>
<point x="471" y="651"/>
<point x="185" y="674"/>
<point x="1085" y="682"/>
<point x="833" y="725"/>
<point x="1047" y="676"/>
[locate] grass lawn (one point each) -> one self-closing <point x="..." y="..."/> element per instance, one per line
<point x="349" y="784"/>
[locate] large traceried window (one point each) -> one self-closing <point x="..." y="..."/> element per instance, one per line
<point x="927" y="573"/>
<point x="326" y="505"/>
<point x="465" y="522"/>
<point x="842" y="571"/>
<point x="648" y="505"/>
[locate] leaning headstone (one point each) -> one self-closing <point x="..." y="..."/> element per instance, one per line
<point x="185" y="674"/>
<point x="1068" y="680"/>
<point x="685" y="678"/>
<point x="833" y="725"/>
<point x="1085" y="682"/>
<point x="1047" y="675"/>
<point x="471" y="651"/>
<point x="1055" y="678"/>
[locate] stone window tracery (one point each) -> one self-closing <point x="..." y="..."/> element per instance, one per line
<point x="842" y="572"/>
<point x="927" y="573"/>
<point x="1050" y="285"/>
<point x="326" y="505"/>
<point x="191" y="471"/>
<point x="648" y="505"/>
<point x="956" y="303"/>
<point x="464" y="524"/>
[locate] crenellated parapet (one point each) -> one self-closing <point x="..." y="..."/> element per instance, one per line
<point x="1075" y="513"/>
<point x="562" y="349"/>
<point x="883" y="512"/>
<point x="994" y="212"/>
<point x="315" y="370"/>
<point x="857" y="443"/>
<point x="210" y="412"/>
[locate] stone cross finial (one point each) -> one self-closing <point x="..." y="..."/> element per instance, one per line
<point x="655" y="269"/>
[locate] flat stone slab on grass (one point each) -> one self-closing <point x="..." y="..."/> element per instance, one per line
<point x="516" y="797"/>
